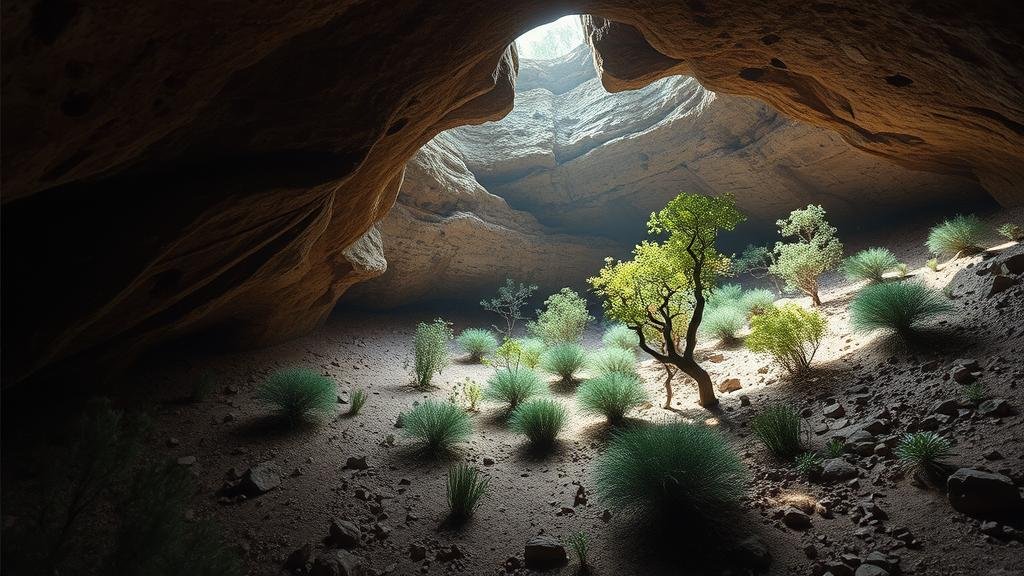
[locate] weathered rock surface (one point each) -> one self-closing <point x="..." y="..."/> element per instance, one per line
<point x="168" y="172"/>
<point x="983" y="494"/>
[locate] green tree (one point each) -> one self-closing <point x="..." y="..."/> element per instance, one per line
<point x="666" y="284"/>
<point x="563" y="319"/>
<point x="509" y="303"/>
<point x="815" y="250"/>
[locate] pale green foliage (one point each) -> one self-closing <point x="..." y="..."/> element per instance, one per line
<point x="473" y="394"/>
<point x="431" y="350"/>
<point x="299" y="394"/>
<point x="870" y="264"/>
<point x="512" y="386"/>
<point x="509" y="355"/>
<point x="902" y="270"/>
<point x="620" y="336"/>
<point x="437" y="425"/>
<point x="465" y="488"/>
<point x="563" y="360"/>
<point x="789" y="333"/>
<point x="778" y="428"/>
<point x="959" y="235"/>
<point x="611" y="394"/>
<point x="723" y="322"/>
<point x="815" y="250"/>
<point x="539" y="419"/>
<point x="725" y="295"/>
<point x="806" y="462"/>
<point x="933" y="264"/>
<point x="613" y="360"/>
<point x="531" y="349"/>
<point x="509" y="303"/>
<point x="895" y="306"/>
<point x="757" y="300"/>
<point x="564" y="318"/>
<point x="477" y="342"/>
<point x="357" y="400"/>
<point x="1011" y="231"/>
<point x="834" y="448"/>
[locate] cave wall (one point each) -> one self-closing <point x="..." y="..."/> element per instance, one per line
<point x="171" y="168"/>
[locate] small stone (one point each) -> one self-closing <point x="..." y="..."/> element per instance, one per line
<point x="337" y="563"/>
<point x="356" y="463"/>
<point x="488" y="461"/>
<point x="606" y="516"/>
<point x="298" y="559"/>
<point x="729" y="385"/>
<point x="450" y="553"/>
<point x="543" y="552"/>
<point x="964" y="375"/>
<point x="870" y="570"/>
<point x="260" y="479"/>
<point x="1000" y="283"/>
<point x="997" y="407"/>
<point x="992" y="455"/>
<point x="344" y="534"/>
<point x="837" y="469"/>
<point x="796" y="519"/>
<point x="991" y="528"/>
<point x="810" y="551"/>
<point x="834" y="410"/>
<point x="744" y="400"/>
<point x="948" y="407"/>
<point x="417" y="552"/>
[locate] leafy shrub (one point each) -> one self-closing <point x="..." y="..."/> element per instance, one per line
<point x="960" y="235"/>
<point x="531" y="349"/>
<point x="870" y="264"/>
<point x="513" y="386"/>
<point x="778" y="428"/>
<point x="477" y="342"/>
<point x="356" y="402"/>
<point x="539" y="419"/>
<point x="680" y="471"/>
<point x="613" y="360"/>
<point x="580" y="545"/>
<point x="974" y="393"/>
<point x="725" y="295"/>
<point x="896" y="306"/>
<point x="1011" y="231"/>
<point x="933" y="264"/>
<point x="619" y="336"/>
<point x="834" y="448"/>
<point x="723" y="322"/>
<point x="611" y="394"/>
<point x="563" y="360"/>
<point x="757" y="300"/>
<point x="299" y="393"/>
<point x="564" y="318"/>
<point x="807" y="463"/>
<point x="437" y="425"/>
<point x="431" y="350"/>
<point x="509" y="303"/>
<point x="902" y="270"/>
<point x="790" y="334"/>
<point x="473" y="394"/>
<point x="925" y="453"/>
<point x="465" y="488"/>
<point x="815" y="251"/>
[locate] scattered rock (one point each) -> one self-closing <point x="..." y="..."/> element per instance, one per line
<point x="544" y="551"/>
<point x="260" y="479"/>
<point x="337" y="563"/>
<point x="1000" y="283"/>
<point x="344" y="534"/>
<point x="450" y="553"/>
<point x="796" y="519"/>
<point x="836" y="470"/>
<point x="356" y="463"/>
<point x="948" y="407"/>
<point x="870" y="570"/>
<point x="744" y="400"/>
<point x="995" y="407"/>
<point x="834" y="410"/>
<point x="298" y="559"/>
<point x="488" y="461"/>
<point x="982" y="493"/>
<point x="729" y="385"/>
<point x="992" y="455"/>
<point x="417" y="552"/>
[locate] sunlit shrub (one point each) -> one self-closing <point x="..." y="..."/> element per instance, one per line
<point x="299" y="394"/>
<point x="933" y="264"/>
<point x="477" y="342"/>
<point x="540" y="420"/>
<point x="619" y="336"/>
<point x="723" y="322"/>
<point x="789" y="333"/>
<point x="437" y="425"/>
<point x="870" y="264"/>
<point x="356" y="402"/>
<point x="563" y="360"/>
<point x="1011" y="231"/>
<point x="959" y="235"/>
<point x="895" y="306"/>
<point x="531" y="349"/>
<point x="431" y="350"/>
<point x="725" y="295"/>
<point x="612" y="395"/>
<point x="815" y="250"/>
<point x="564" y="318"/>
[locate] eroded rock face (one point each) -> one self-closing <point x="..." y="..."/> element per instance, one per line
<point x="170" y="171"/>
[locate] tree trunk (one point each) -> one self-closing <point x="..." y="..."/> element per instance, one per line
<point x="815" y="300"/>
<point x="670" y="372"/>
<point x="705" y="390"/>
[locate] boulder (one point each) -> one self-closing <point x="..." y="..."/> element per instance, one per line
<point x="344" y="534"/>
<point x="544" y="551"/>
<point x="983" y="494"/>
<point x="837" y="470"/>
<point x="796" y="519"/>
<point x="1000" y="283"/>
<point x="998" y="407"/>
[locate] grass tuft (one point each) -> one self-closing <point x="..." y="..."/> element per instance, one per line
<point x="723" y="321"/>
<point x="896" y="306"/>
<point x="870" y="264"/>
<point x="834" y="448"/>
<point x="299" y="394"/>
<point x="477" y="343"/>
<point x="778" y="428"/>
<point x="564" y="360"/>
<point x="619" y="336"/>
<point x="513" y="386"/>
<point x="974" y="393"/>
<point x="437" y="425"/>
<point x="807" y="463"/>
<point x="757" y="300"/>
<point x="924" y="453"/>
<point x="465" y="488"/>
<point x="580" y="545"/>
<point x="356" y="401"/>
<point x="540" y="420"/>
<point x="612" y="395"/>
<point x="613" y="360"/>
<point x="959" y="235"/>
<point x="1011" y="231"/>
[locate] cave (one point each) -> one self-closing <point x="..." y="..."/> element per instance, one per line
<point x="608" y="287"/>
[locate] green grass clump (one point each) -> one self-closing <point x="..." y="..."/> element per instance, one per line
<point x="789" y="333"/>
<point x="619" y="336"/>
<point x="674" y="471"/>
<point x="834" y="448"/>
<point x="723" y="322"/>
<point x="974" y="393"/>
<point x="580" y="545"/>
<point x="611" y="394"/>
<point x="757" y="300"/>
<point x="465" y="488"/>
<point x="807" y="462"/>
<point x="530" y="351"/>
<point x="356" y="402"/>
<point x="430" y="348"/>
<point x="960" y="235"/>
<point x="1011" y="231"/>
<point x="870" y="264"/>
<point x="299" y="394"/>
<point x="778" y="428"/>
<point x="513" y="386"/>
<point x="613" y="360"/>
<point x="725" y="295"/>
<point x="895" y="306"/>
<point x="477" y="342"/>
<point x="540" y="420"/>
<point x="438" y="425"/>
<point x="563" y="360"/>
<point x="924" y="453"/>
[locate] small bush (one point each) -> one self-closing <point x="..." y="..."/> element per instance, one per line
<point x="896" y="306"/>
<point x="778" y="428"/>
<point x="356" y="402"/>
<point x="531" y="350"/>
<point x="540" y="420"/>
<point x="465" y="488"/>
<point x="580" y="545"/>
<point x="924" y="453"/>
<point x="807" y="463"/>
<point x="513" y="386"/>
<point x="438" y="425"/>
<point x="723" y="322"/>
<point x="473" y="394"/>
<point x="757" y="300"/>
<point x="725" y="295"/>
<point x="790" y="334"/>
<point x="960" y="235"/>
<point x="619" y="336"/>
<point x="834" y="448"/>
<point x="870" y="264"/>
<point x="299" y="394"/>
<point x="1011" y="231"/>
<point x="563" y="360"/>
<point x="477" y="342"/>
<point x="613" y="360"/>
<point x="680" y="471"/>
<point x="902" y="270"/>
<point x="974" y="393"/>
<point x="564" y="318"/>
<point x="933" y="264"/>
<point x="611" y="394"/>
<point x="431" y="350"/>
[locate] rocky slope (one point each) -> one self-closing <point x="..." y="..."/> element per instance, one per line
<point x="192" y="170"/>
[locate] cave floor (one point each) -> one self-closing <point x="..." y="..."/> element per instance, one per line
<point x="399" y="500"/>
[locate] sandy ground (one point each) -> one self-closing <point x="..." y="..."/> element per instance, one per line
<point x="400" y="499"/>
